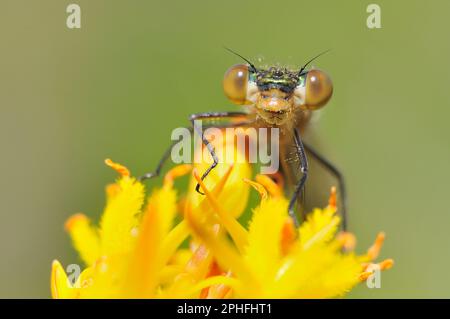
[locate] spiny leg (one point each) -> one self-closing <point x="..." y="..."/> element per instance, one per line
<point x="338" y="175"/>
<point x="211" y="116"/>
<point x="211" y="151"/>
<point x="168" y="151"/>
<point x="162" y="161"/>
<point x="304" y="170"/>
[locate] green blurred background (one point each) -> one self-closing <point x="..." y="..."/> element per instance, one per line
<point x="136" y="69"/>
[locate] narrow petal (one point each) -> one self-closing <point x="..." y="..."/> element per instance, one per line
<point x="174" y="239"/>
<point x="226" y="255"/>
<point x="196" y="269"/>
<point x="143" y="271"/>
<point x="163" y="201"/>
<point x="149" y="256"/>
<point x="263" y="252"/>
<point x="258" y="187"/>
<point x="59" y="283"/>
<point x="335" y="280"/>
<point x="319" y="227"/>
<point x="236" y="230"/>
<point x="122" y="170"/>
<point x="319" y="272"/>
<point x="120" y="217"/>
<point x="84" y="238"/>
<point x="374" y="250"/>
<point x="273" y="188"/>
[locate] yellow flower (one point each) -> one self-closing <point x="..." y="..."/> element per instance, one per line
<point x="137" y="250"/>
<point x="128" y="256"/>
<point x="272" y="259"/>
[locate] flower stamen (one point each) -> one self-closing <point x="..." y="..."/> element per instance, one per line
<point x="258" y="187"/>
<point x="237" y="231"/>
<point x="374" y="250"/>
<point x="174" y="173"/>
<point x="273" y="188"/>
<point x="122" y="170"/>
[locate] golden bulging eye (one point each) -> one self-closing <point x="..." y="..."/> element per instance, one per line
<point x="318" y="89"/>
<point x="235" y="83"/>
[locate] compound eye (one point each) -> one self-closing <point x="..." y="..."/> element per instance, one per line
<point x="318" y="89"/>
<point x="235" y="83"/>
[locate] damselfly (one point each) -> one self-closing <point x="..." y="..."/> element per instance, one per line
<point x="274" y="97"/>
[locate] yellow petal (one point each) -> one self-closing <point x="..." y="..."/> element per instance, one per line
<point x="320" y="227"/>
<point x="236" y="230"/>
<point x="105" y="278"/>
<point x="319" y="272"/>
<point x="149" y="256"/>
<point x="59" y="283"/>
<point x="181" y="257"/>
<point x="335" y="280"/>
<point x="263" y="252"/>
<point x="168" y="274"/>
<point x="273" y="188"/>
<point x="234" y="195"/>
<point x="157" y="241"/>
<point x="196" y="269"/>
<point x="120" y="217"/>
<point x="173" y="240"/>
<point x="224" y="253"/>
<point x="143" y="271"/>
<point x="258" y="187"/>
<point x="84" y="238"/>
<point x="163" y="202"/>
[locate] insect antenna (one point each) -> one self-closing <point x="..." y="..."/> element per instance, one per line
<point x="252" y="66"/>
<point x="307" y="63"/>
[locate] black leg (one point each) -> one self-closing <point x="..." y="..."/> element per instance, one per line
<point x="162" y="161"/>
<point x="304" y="170"/>
<point x="340" y="178"/>
<point x="212" y="116"/>
<point x="167" y="153"/>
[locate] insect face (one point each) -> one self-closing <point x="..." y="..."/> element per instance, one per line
<point x="276" y="92"/>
